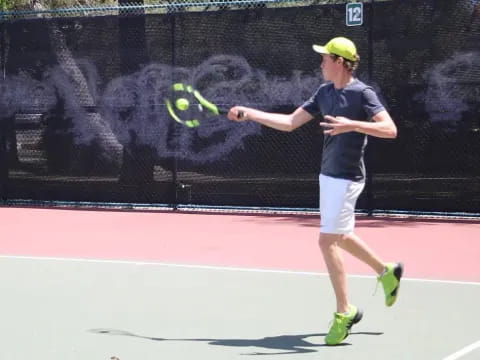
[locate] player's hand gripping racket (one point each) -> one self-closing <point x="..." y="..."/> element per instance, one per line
<point x="186" y="103"/>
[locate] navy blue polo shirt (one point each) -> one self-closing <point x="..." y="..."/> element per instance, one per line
<point x="343" y="154"/>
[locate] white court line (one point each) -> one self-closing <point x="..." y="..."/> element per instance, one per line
<point x="463" y="351"/>
<point x="223" y="268"/>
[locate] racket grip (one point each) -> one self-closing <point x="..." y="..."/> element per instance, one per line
<point x="240" y="114"/>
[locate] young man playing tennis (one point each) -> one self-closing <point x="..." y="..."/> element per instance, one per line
<point x="351" y="111"/>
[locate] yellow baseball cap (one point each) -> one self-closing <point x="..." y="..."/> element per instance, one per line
<point x="340" y="46"/>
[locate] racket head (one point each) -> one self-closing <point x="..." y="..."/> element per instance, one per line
<point x="182" y="105"/>
<point x="186" y="106"/>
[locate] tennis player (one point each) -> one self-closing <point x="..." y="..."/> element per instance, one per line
<point x="351" y="110"/>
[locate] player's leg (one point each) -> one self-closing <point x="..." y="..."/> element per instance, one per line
<point x="389" y="274"/>
<point x="335" y="222"/>
<point x="357" y="247"/>
<point x="334" y="261"/>
<point x="346" y="315"/>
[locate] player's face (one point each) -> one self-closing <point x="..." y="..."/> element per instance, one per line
<point x="329" y="67"/>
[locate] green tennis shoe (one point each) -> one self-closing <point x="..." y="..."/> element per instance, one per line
<point x="390" y="280"/>
<point x="342" y="323"/>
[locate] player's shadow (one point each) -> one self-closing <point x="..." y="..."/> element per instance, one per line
<point x="285" y="344"/>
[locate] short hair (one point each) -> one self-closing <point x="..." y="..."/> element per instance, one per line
<point x="350" y="65"/>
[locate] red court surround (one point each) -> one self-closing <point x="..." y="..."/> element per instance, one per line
<point x="434" y="249"/>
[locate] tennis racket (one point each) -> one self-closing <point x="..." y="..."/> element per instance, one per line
<point x="185" y="104"/>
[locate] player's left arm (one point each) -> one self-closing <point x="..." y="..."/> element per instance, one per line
<point x="382" y="125"/>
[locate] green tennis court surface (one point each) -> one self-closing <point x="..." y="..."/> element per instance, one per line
<point x="79" y="309"/>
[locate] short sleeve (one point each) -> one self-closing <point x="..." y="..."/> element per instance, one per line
<point x="312" y="105"/>
<point x="371" y="103"/>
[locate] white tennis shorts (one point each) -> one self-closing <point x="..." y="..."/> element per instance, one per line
<point x="337" y="204"/>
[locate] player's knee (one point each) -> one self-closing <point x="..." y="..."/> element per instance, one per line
<point x="344" y="238"/>
<point x="325" y="241"/>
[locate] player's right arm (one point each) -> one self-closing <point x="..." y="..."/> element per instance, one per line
<point x="282" y="122"/>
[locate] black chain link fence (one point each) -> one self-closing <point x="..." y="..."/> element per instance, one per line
<point x="83" y="115"/>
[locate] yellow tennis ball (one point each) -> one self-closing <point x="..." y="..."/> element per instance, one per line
<point x="182" y="104"/>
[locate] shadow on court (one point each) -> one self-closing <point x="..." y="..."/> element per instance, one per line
<point x="289" y="344"/>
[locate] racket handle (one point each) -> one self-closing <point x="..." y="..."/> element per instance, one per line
<point x="240" y="114"/>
